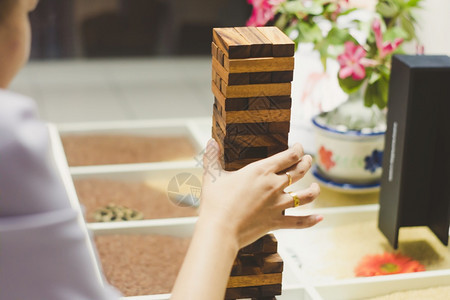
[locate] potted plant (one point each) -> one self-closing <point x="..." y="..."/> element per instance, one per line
<point x="362" y="39"/>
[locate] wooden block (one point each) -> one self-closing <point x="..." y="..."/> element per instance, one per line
<point x="260" y="45"/>
<point x="239" y="78"/>
<point x="256" y="292"/>
<point x="270" y="290"/>
<point x="214" y="50"/>
<point x="276" y="149"/>
<point x="220" y="57"/>
<point x="282" y="45"/>
<point x="279" y="126"/>
<point x="257" y="116"/>
<point x="272" y="263"/>
<point x="264" y="64"/>
<point x="233" y="104"/>
<point x="231" y="42"/>
<point x="254" y="280"/>
<point x="273" y="102"/>
<point x="270" y="244"/>
<point x="255" y="140"/>
<point x="251" y="128"/>
<point x="266" y="243"/>
<point x="282" y="76"/>
<point x="257" y="103"/>
<point x="259" y="77"/>
<point x="239" y="293"/>
<point x="238" y="164"/>
<point x="237" y="266"/>
<point x="230" y="78"/>
<point x="256" y="90"/>
<point x="265" y="298"/>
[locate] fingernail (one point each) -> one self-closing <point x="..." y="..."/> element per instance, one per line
<point x="319" y="218"/>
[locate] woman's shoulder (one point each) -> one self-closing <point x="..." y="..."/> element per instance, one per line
<point x="14" y="107"/>
<point x="19" y="121"/>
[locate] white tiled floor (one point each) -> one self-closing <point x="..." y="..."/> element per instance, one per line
<point x="125" y="89"/>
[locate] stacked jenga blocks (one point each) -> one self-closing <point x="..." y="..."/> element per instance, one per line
<point x="252" y="70"/>
<point x="251" y="83"/>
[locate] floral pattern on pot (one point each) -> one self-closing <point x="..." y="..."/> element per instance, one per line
<point x="373" y="161"/>
<point x="326" y="158"/>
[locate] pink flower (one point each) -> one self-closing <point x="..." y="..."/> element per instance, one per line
<point x="352" y="61"/>
<point x="263" y="11"/>
<point x="386" y="47"/>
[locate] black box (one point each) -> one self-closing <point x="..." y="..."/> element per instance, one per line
<point x="415" y="185"/>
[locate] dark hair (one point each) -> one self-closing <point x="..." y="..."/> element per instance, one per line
<point x="5" y="6"/>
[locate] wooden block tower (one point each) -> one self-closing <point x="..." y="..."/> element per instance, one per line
<point x="252" y="70"/>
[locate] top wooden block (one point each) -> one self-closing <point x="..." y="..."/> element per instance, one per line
<point x="251" y="42"/>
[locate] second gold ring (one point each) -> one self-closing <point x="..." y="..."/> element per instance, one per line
<point x="295" y="198"/>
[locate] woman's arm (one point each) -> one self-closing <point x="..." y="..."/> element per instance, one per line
<point x="236" y="209"/>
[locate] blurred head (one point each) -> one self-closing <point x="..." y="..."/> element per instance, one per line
<point x="15" y="37"/>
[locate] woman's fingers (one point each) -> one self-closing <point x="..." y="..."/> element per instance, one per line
<point x="284" y="160"/>
<point x="298" y="222"/>
<point x="297" y="171"/>
<point x="304" y="196"/>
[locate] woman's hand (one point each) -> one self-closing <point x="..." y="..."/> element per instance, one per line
<point x="236" y="209"/>
<point x="250" y="202"/>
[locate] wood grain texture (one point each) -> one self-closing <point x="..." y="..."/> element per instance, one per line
<point x="273" y="102"/>
<point x="264" y="64"/>
<point x="259" y="77"/>
<point x="214" y="50"/>
<point x="267" y="242"/>
<point x="240" y="293"/>
<point x="238" y="164"/>
<point x="272" y="263"/>
<point x="282" y="76"/>
<point x="231" y="42"/>
<point x="282" y="45"/>
<point x="255" y="90"/>
<point x="261" y="292"/>
<point x="257" y="116"/>
<point x="254" y="280"/>
<point x="260" y="45"/>
<point x="270" y="290"/>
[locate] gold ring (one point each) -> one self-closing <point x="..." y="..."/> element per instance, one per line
<point x="295" y="198"/>
<point x="289" y="178"/>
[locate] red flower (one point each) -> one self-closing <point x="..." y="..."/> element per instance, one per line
<point x="351" y="61"/>
<point x="386" y="47"/>
<point x="387" y="264"/>
<point x="263" y="11"/>
<point x="325" y="158"/>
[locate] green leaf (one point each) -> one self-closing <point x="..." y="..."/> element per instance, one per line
<point x="374" y="77"/>
<point x="386" y="10"/>
<point x="395" y="32"/>
<point x="377" y="93"/>
<point x="293" y="7"/>
<point x="414" y="3"/>
<point x="315" y="8"/>
<point x="408" y="27"/>
<point x="337" y="36"/>
<point x="349" y="85"/>
<point x="346" y="12"/>
<point x="309" y="32"/>
<point x="282" y="22"/>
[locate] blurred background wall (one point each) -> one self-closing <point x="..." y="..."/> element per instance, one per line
<point x="118" y="28"/>
<point x="105" y="28"/>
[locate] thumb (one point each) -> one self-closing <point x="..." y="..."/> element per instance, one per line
<point x="211" y="160"/>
